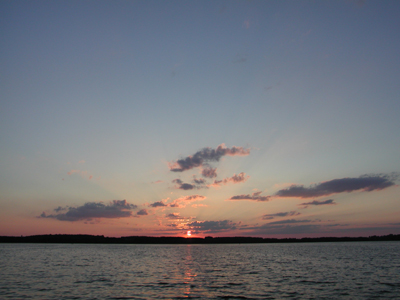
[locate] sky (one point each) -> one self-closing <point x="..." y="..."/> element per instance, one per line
<point x="222" y="118"/>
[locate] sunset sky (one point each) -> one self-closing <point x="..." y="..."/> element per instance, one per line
<point x="225" y="118"/>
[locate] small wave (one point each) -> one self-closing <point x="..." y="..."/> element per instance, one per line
<point x="233" y="297"/>
<point x="391" y="284"/>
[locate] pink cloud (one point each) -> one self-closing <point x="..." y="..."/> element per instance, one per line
<point x="73" y="171"/>
<point x="182" y="201"/>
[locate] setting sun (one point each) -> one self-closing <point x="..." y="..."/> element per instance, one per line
<point x="189" y="233"/>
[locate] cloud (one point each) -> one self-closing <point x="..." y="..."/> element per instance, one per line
<point x="281" y="214"/>
<point x="241" y="177"/>
<point x="291" y="229"/>
<point x="173" y="216"/>
<point x="316" y="202"/>
<point x="319" y="229"/>
<point x="193" y="198"/>
<point x="84" y="174"/>
<point x="365" y="183"/>
<point x="94" y="210"/>
<point x="209" y="172"/>
<point x="212" y="226"/>
<point x="142" y="212"/>
<point x="290" y="221"/>
<point x="187" y="186"/>
<point x="254" y="197"/>
<point x="290" y="226"/>
<point x="157" y="204"/>
<point x="182" y="201"/>
<point x="199" y="183"/>
<point x="199" y="205"/>
<point x="206" y="155"/>
<point x="73" y="171"/>
<point x="60" y="208"/>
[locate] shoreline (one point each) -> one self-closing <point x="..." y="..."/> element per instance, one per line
<point x="100" y="239"/>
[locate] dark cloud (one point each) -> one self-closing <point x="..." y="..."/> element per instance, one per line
<point x="157" y="204"/>
<point x="241" y="177"/>
<point x="199" y="181"/>
<point x="365" y="183"/>
<point x="212" y="226"/>
<point x="193" y="198"/>
<point x="142" y="212"/>
<point x="94" y="210"/>
<point x="206" y="155"/>
<point x="177" y="180"/>
<point x="281" y="214"/>
<point x="58" y="209"/>
<point x="187" y="186"/>
<point x="316" y="202"/>
<point x="199" y="184"/>
<point x="254" y="197"/>
<point x="209" y="172"/>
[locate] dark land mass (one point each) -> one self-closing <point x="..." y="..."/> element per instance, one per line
<point x="100" y="239"/>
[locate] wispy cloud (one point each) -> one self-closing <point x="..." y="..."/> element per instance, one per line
<point x="241" y="177"/>
<point x="280" y="214"/>
<point x="93" y="210"/>
<point x="206" y="155"/>
<point x="182" y="201"/>
<point x="212" y="226"/>
<point x="316" y="202"/>
<point x="290" y="221"/>
<point x="253" y="197"/>
<point x="84" y="174"/>
<point x="273" y="229"/>
<point x="365" y="183"/>
<point x="73" y="171"/>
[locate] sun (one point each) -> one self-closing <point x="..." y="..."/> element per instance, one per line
<point x="189" y="233"/>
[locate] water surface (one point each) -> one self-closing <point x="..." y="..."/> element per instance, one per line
<point x="352" y="270"/>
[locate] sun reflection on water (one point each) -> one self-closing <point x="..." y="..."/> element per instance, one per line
<point x="189" y="273"/>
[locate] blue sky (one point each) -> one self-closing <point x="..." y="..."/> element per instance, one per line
<point x="98" y="99"/>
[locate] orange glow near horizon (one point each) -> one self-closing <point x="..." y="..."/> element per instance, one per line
<point x="189" y="233"/>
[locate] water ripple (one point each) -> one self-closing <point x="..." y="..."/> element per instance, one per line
<point x="359" y="270"/>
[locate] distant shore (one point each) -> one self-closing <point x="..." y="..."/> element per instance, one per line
<point x="100" y="239"/>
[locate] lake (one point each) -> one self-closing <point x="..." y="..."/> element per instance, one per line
<point x="342" y="270"/>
